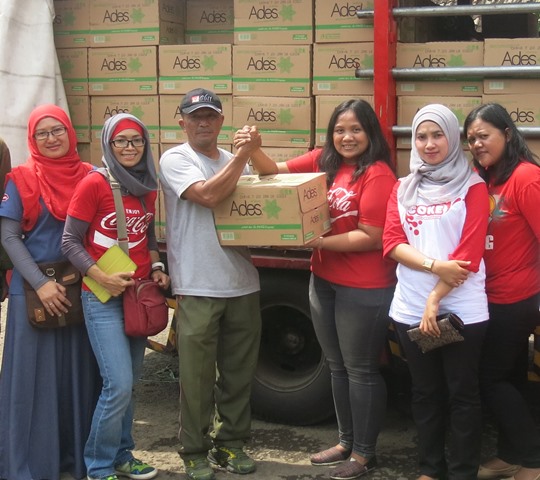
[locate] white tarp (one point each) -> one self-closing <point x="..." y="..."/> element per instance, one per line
<point x="29" y="71"/>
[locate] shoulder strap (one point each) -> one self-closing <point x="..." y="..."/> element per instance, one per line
<point x="123" y="240"/>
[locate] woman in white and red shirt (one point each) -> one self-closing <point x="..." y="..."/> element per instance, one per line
<point x="435" y="228"/>
<point x="351" y="284"/>
<point x="512" y="259"/>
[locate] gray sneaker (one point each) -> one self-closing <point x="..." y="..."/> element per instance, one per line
<point x="199" y="469"/>
<point x="234" y="459"/>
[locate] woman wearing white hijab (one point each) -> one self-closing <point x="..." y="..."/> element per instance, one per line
<point x="435" y="229"/>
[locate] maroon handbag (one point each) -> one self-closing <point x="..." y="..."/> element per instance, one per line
<point x="146" y="312"/>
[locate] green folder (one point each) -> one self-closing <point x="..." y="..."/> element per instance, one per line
<point x="114" y="260"/>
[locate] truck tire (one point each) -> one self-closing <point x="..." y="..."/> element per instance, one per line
<point x="292" y="382"/>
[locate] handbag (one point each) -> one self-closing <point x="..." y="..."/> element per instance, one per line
<point x="450" y="326"/>
<point x="146" y="312"/>
<point x="67" y="275"/>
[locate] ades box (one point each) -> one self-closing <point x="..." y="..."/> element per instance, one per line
<point x="288" y="209"/>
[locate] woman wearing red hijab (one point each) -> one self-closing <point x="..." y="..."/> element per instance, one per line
<point x="49" y="379"/>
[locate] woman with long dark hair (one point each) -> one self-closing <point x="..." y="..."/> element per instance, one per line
<point x="512" y="258"/>
<point x="351" y="285"/>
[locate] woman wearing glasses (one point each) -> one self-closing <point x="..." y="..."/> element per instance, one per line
<point x="49" y="380"/>
<point x="91" y="228"/>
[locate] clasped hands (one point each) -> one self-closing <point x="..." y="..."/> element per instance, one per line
<point x="247" y="137"/>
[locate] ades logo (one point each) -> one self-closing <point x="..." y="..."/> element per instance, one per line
<point x="263" y="13"/>
<point x="262" y="115"/>
<point x="346" y="10"/>
<point x="245" y="209"/>
<point x="213" y="17"/>
<point x="310" y="193"/>
<point x="115" y="16"/>
<point x="519" y="58"/>
<point x="114" y="65"/>
<point x="261" y="64"/>
<point x="187" y="63"/>
<point x="429" y="62"/>
<point x="344" y="62"/>
<point x="109" y="112"/>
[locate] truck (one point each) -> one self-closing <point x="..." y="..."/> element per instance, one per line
<point x="292" y="382"/>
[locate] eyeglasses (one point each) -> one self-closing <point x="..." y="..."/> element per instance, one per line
<point x="55" y="132"/>
<point x="124" y="142"/>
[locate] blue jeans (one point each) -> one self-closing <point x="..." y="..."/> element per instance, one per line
<point x="120" y="360"/>
<point x="351" y="325"/>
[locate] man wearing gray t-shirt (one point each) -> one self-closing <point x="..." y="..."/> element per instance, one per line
<point x="217" y="290"/>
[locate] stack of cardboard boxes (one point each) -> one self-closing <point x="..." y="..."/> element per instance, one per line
<point x="108" y="55"/>
<point x="283" y="65"/>
<point x="521" y="97"/>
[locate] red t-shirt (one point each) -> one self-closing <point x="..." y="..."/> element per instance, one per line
<point x="512" y="242"/>
<point x="362" y="202"/>
<point x="93" y="202"/>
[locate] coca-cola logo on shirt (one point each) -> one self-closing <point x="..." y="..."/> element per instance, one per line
<point x="135" y="224"/>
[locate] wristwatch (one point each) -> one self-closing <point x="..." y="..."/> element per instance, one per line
<point x="427" y="264"/>
<point x="158" y="266"/>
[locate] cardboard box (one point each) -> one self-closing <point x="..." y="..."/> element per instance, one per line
<point x="408" y="106"/>
<point x="282" y="154"/>
<point x="272" y="70"/>
<point x="505" y="52"/>
<point x="169" y="114"/>
<point x="337" y="21"/>
<point x="136" y="22"/>
<point x="282" y="121"/>
<point x="436" y="55"/>
<point x="185" y="67"/>
<point x="83" y="149"/>
<point x="144" y="107"/>
<point x="79" y="112"/>
<point x="209" y="21"/>
<point x="74" y="67"/>
<point x="122" y="71"/>
<point x="334" y="68"/>
<point x="534" y="145"/>
<point x="523" y="109"/>
<point x="284" y="209"/>
<point x="71" y="25"/>
<point x="324" y="107"/>
<point x="273" y="22"/>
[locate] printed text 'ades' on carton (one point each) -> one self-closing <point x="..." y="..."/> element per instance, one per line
<point x="274" y="210"/>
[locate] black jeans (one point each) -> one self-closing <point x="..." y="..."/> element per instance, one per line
<point x="503" y="371"/>
<point x="446" y="400"/>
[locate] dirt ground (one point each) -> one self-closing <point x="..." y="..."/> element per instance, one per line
<point x="282" y="452"/>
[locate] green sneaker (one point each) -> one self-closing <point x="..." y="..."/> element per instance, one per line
<point x="136" y="469"/>
<point x="108" y="477"/>
<point x="234" y="459"/>
<point x="199" y="469"/>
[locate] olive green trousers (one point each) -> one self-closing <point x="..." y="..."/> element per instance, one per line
<point x="218" y="346"/>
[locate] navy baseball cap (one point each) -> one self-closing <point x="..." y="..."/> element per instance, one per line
<point x="200" y="98"/>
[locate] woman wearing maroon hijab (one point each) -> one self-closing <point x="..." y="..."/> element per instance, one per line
<point x="49" y="379"/>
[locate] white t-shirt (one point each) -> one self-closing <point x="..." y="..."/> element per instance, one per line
<point x="436" y="231"/>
